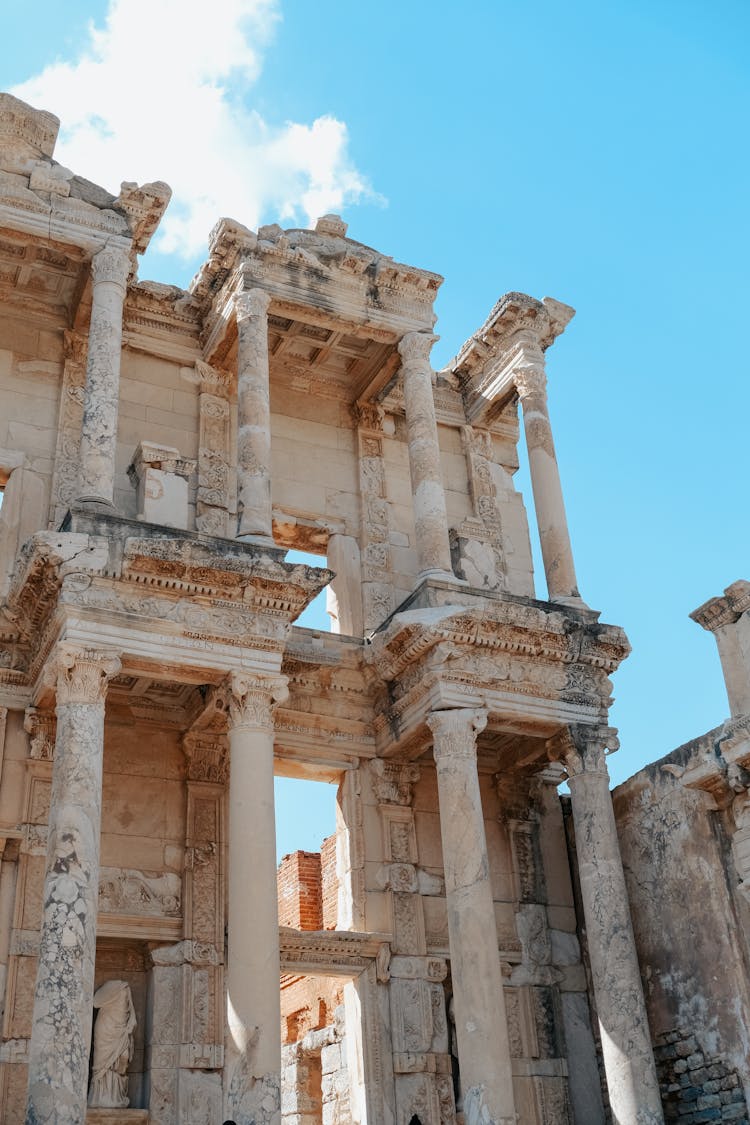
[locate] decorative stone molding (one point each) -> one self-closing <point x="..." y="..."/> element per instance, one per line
<point x="251" y="303"/>
<point x="455" y="732"/>
<point x="207" y="757"/>
<point x="252" y="699"/>
<point x="81" y="675"/>
<point x="68" y="448"/>
<point x="415" y="347"/>
<point x="214" y="380"/>
<point x="128" y="891"/>
<point x="377" y="594"/>
<point x="393" y="782"/>
<point x="111" y="266"/>
<point x="584" y="749"/>
<point x="41" y="725"/>
<point x="725" y="610"/>
<point x="530" y="379"/>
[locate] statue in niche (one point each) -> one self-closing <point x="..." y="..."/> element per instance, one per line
<point x="113" y="1046"/>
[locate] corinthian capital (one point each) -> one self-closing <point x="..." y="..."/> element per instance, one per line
<point x="212" y="379"/>
<point x="415" y="347"/>
<point x="252" y="699"/>
<point x="111" y="264"/>
<point x="81" y="675"/>
<point x="251" y="302"/>
<point x="455" y="732"/>
<point x="530" y="379"/>
<point x="583" y="749"/>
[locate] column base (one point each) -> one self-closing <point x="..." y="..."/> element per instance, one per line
<point x="117" y="1117"/>
<point x="95" y="502"/>
<point x="441" y="576"/>
<point x="258" y="540"/>
<point x="575" y="601"/>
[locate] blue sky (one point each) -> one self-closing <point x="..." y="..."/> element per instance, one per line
<point x="593" y="152"/>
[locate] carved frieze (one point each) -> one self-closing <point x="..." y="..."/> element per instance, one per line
<point x="70" y="420"/>
<point x="377" y="596"/>
<point x="127" y="891"/>
<point x="41" y="725"/>
<point x="393" y="782"/>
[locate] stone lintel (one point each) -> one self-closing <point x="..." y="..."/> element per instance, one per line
<point x="335" y="953"/>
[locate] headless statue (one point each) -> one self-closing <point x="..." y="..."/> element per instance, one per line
<point x="113" y="1045"/>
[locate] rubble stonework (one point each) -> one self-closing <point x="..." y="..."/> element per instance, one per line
<point x="161" y="449"/>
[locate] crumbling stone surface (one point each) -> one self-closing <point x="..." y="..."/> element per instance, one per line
<point x="697" y="1088"/>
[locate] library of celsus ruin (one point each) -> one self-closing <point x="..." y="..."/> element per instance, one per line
<point x="462" y="949"/>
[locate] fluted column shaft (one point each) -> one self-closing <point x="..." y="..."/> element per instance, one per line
<point x="430" y="516"/>
<point x="253" y="1070"/>
<point x="478" y="998"/>
<point x="626" y="1042"/>
<point x="62" y="1016"/>
<point x="109" y="272"/>
<point x="253" y="417"/>
<point x="531" y="384"/>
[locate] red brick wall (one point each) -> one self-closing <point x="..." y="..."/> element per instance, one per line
<point x="299" y="891"/>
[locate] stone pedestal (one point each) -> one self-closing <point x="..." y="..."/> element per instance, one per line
<point x="109" y="270"/>
<point x="252" y="1073"/>
<point x="531" y="384"/>
<point x="160" y="477"/>
<point x="478" y="999"/>
<point x="62" y="1017"/>
<point x="430" y="516"/>
<point x="253" y="418"/>
<point x="626" y="1042"/>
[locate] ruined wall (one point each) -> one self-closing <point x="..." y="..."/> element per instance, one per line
<point x="692" y="952"/>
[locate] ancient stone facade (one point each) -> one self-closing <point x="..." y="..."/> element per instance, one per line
<point x="684" y="825"/>
<point x="160" y="450"/>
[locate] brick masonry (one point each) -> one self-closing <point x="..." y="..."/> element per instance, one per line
<point x="697" y="1088"/>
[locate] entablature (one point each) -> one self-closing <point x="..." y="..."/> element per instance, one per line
<point x="169" y="602"/>
<point x="533" y="666"/>
<point x="518" y="328"/>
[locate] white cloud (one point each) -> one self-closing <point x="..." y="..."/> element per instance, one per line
<point x="162" y="91"/>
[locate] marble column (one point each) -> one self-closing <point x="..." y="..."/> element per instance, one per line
<point x="478" y="999"/>
<point x="531" y="384"/>
<point x="109" y="272"/>
<point x="252" y="1073"/>
<point x="62" y="1015"/>
<point x="253" y="418"/>
<point x="430" y="516"/>
<point x="626" y="1042"/>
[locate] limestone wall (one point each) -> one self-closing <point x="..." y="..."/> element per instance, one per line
<point x="692" y="948"/>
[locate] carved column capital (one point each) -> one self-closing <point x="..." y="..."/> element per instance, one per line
<point x="212" y="380"/>
<point x="42" y="726"/>
<point x="455" y="732"/>
<point x="252" y="699"/>
<point x="80" y="675"/>
<point x="415" y="347"/>
<point x="368" y="416"/>
<point x="251" y="303"/>
<point x="75" y="347"/>
<point x="111" y="265"/>
<point x="530" y="379"/>
<point x="393" y="782"/>
<point x="583" y="749"/>
<point x="206" y="755"/>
